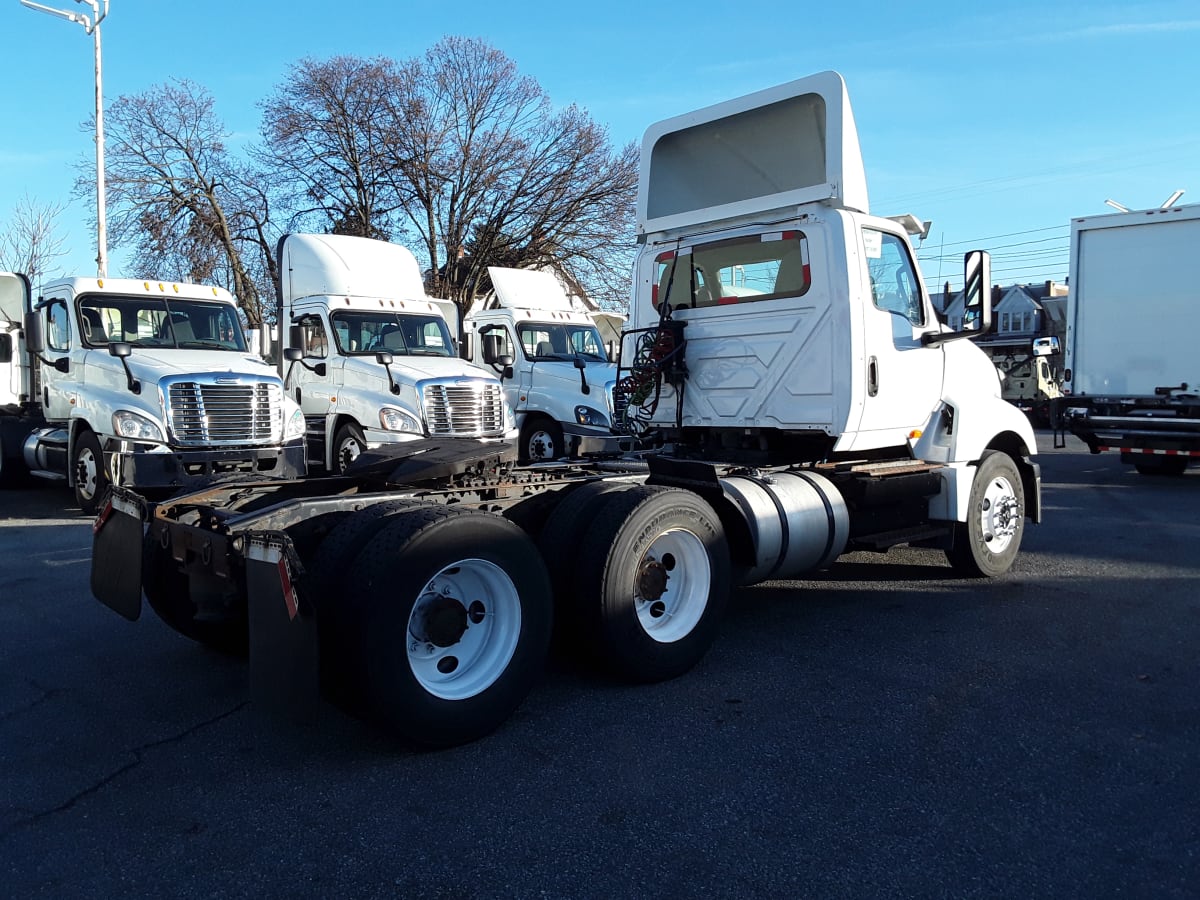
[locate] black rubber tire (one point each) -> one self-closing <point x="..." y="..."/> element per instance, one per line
<point x="389" y="575"/>
<point x="562" y="535"/>
<point x="337" y="612"/>
<point x="606" y="583"/>
<point x="970" y="554"/>
<point x="167" y="593"/>
<point x="345" y="440"/>
<point x="88" y="491"/>
<point x="1171" y="466"/>
<point x="550" y="446"/>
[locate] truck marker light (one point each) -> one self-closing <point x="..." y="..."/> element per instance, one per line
<point x="915" y="434"/>
<point x="99" y="282"/>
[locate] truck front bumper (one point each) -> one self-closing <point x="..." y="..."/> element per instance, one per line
<point x="585" y="440"/>
<point x="186" y="468"/>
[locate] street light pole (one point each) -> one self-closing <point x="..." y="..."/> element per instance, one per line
<point x="92" y="26"/>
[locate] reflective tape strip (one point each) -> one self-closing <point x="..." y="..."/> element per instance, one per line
<point x="1146" y="450"/>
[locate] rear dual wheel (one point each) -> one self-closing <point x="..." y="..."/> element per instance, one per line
<point x="445" y="620"/>
<point x="650" y="581"/>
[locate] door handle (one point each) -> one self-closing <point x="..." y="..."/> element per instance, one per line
<point x="872" y="377"/>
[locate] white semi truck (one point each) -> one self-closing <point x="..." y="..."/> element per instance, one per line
<point x="379" y="364"/>
<point x="1132" y="369"/>
<point x="559" y="380"/>
<point x="146" y="384"/>
<point x="795" y="398"/>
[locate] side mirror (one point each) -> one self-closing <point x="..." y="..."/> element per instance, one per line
<point x="491" y="349"/>
<point x="296" y="338"/>
<point x="977" y="292"/>
<point x="466" y="346"/>
<point x="35" y="341"/>
<point x="977" y="300"/>
<point x="578" y="362"/>
<point x="383" y="358"/>
<point x="293" y="354"/>
<point x="120" y="349"/>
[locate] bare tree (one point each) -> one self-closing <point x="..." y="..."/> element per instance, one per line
<point x="491" y="174"/>
<point x="29" y="241"/>
<point x="326" y="132"/>
<point x="459" y="153"/>
<point x="189" y="208"/>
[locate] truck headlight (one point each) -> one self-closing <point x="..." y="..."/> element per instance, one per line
<point x="295" y="426"/>
<point x="585" y="415"/>
<point x="393" y="419"/>
<point x="135" y="427"/>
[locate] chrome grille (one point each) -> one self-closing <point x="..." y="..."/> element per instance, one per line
<point x="464" y="408"/>
<point x="224" y="414"/>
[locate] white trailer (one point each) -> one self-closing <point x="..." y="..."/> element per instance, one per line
<point x="141" y="383"/>
<point x="1132" y="370"/>
<point x="558" y="377"/>
<point x="380" y="365"/>
<point x="794" y="395"/>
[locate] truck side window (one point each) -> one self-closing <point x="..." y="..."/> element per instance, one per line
<point x="893" y="278"/>
<point x="315" y="343"/>
<point x="747" y="269"/>
<point x="58" y="327"/>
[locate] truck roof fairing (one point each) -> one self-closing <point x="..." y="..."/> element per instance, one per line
<point x="784" y="146"/>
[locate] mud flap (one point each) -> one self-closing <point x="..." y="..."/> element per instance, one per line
<point x="117" y="534"/>
<point x="284" y="661"/>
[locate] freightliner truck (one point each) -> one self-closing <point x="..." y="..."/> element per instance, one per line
<point x="559" y="380"/>
<point x="379" y="365"/>
<point x="144" y="384"/>
<point x="1132" y="369"/>
<point x="795" y="398"/>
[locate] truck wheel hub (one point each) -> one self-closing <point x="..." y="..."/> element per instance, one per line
<point x="652" y="580"/>
<point x="439" y="620"/>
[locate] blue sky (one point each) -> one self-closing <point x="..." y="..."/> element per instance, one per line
<point x="1000" y="124"/>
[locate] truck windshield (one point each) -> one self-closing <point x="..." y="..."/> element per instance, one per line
<point x="401" y="334"/>
<point x="154" y="322"/>
<point x="560" y="340"/>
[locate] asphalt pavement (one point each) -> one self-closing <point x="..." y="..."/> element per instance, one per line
<point x="884" y="729"/>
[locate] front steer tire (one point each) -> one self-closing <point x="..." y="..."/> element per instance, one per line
<point x="455" y="623"/>
<point x="986" y="545"/>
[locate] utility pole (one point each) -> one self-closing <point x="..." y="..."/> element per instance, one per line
<point x="91" y="24"/>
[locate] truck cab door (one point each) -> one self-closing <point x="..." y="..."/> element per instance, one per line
<point x="14" y="303"/>
<point x="310" y="381"/>
<point x="60" y="379"/>
<point x="901" y="375"/>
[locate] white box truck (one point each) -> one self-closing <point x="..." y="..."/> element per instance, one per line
<point x="147" y="384"/>
<point x="796" y="394"/>
<point x="560" y="380"/>
<point x="1132" y="369"/>
<point x="379" y="362"/>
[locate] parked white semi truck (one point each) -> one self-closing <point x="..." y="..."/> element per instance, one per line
<point x="559" y="379"/>
<point x="146" y="384"/>
<point x="379" y="363"/>
<point x="1132" y="367"/>
<point x="796" y="392"/>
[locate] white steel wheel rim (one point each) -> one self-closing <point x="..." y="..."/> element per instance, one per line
<point x="1000" y="514"/>
<point x="86" y="471"/>
<point x="541" y="445"/>
<point x="673" y="614"/>
<point x="348" y="452"/>
<point x="481" y="654"/>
